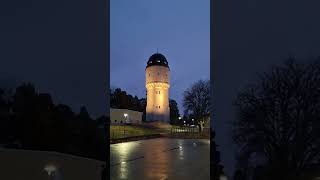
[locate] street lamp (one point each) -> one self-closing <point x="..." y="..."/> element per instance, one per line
<point x="50" y="169"/>
<point x="180" y="118"/>
<point x="125" y="116"/>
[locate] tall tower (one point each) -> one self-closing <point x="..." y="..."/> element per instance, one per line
<point x="157" y="84"/>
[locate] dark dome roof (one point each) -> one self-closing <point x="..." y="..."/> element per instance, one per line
<point x="157" y="59"/>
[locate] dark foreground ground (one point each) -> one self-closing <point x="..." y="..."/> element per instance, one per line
<point x="161" y="159"/>
<point x="18" y="164"/>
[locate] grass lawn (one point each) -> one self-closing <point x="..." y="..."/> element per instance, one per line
<point x="124" y="131"/>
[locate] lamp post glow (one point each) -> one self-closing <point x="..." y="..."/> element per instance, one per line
<point x="180" y="118"/>
<point x="223" y="177"/>
<point x="50" y="169"/>
<point x="125" y="116"/>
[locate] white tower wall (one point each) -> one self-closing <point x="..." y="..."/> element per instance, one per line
<point x="157" y="84"/>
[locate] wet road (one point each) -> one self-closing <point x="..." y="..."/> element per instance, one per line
<point x="161" y="159"/>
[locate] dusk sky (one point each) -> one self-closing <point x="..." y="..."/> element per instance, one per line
<point x="251" y="36"/>
<point x="180" y="30"/>
<point x="59" y="46"/>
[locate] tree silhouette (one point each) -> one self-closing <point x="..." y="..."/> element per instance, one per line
<point x="63" y="126"/>
<point x="278" y="119"/>
<point x="5" y="126"/>
<point x="31" y="120"/>
<point x="239" y="175"/>
<point x="25" y="120"/>
<point x="174" y="112"/>
<point x="196" y="100"/>
<point x="216" y="169"/>
<point x="142" y="108"/>
<point x="122" y="100"/>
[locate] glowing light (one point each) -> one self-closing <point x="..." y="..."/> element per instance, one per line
<point x="223" y="177"/>
<point x="123" y="171"/>
<point x="125" y="115"/>
<point x="123" y="150"/>
<point x="180" y="118"/>
<point x="50" y="168"/>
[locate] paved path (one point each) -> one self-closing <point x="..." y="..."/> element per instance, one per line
<point x="161" y="159"/>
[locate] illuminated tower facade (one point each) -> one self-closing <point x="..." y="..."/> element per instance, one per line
<point x="157" y="84"/>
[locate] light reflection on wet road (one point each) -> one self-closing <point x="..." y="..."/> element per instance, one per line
<point x="161" y="159"/>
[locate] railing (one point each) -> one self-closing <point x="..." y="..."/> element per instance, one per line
<point x="125" y="131"/>
<point x="190" y="132"/>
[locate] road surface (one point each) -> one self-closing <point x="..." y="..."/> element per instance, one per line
<point x="161" y="159"/>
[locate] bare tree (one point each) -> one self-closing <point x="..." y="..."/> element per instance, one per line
<point x="196" y="100"/>
<point x="278" y="118"/>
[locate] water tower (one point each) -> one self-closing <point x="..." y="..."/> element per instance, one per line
<point x="157" y="84"/>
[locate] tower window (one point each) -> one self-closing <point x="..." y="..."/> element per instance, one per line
<point x="158" y="73"/>
<point x="149" y="74"/>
